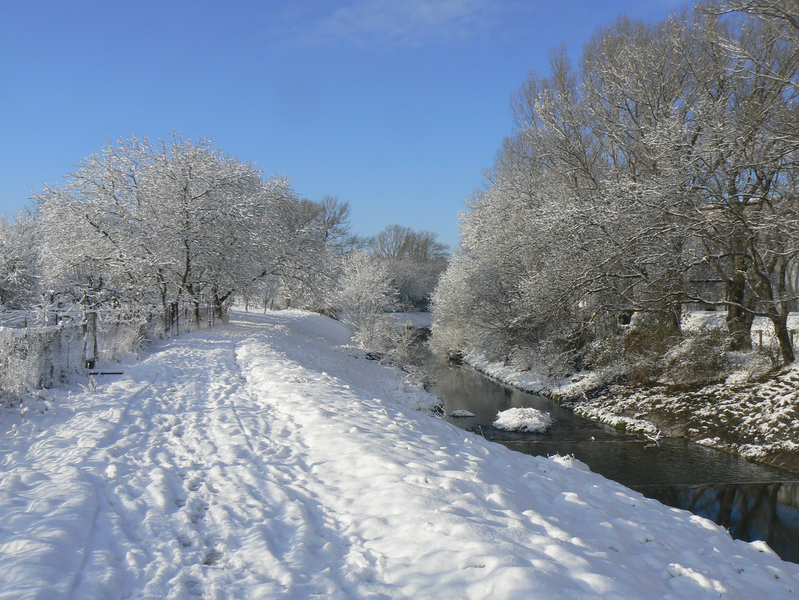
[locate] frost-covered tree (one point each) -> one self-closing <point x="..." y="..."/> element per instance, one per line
<point x="365" y="299"/>
<point x="415" y="260"/>
<point x="162" y="223"/>
<point x="311" y="261"/>
<point x="661" y="167"/>
<point x="740" y="169"/>
<point x="19" y="279"/>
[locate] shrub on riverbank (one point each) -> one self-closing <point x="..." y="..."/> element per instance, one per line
<point x="652" y="351"/>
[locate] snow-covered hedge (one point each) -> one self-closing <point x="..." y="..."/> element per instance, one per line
<point x="46" y="356"/>
<point x="33" y="358"/>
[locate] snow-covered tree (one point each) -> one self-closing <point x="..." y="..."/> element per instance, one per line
<point x="161" y="223"/>
<point x="415" y="260"/>
<point x="658" y="169"/>
<point x="19" y="279"/>
<point x="305" y="271"/>
<point x="365" y="299"/>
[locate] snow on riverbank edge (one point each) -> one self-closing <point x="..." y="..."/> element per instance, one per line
<point x="758" y="420"/>
<point x="574" y="388"/>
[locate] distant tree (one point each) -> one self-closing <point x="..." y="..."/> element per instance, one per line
<point x="415" y="261"/>
<point x="311" y="259"/>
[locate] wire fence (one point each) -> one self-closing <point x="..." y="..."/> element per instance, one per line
<point x="39" y="351"/>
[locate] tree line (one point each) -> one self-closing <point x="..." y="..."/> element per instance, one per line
<point x="147" y="225"/>
<point x="660" y="171"/>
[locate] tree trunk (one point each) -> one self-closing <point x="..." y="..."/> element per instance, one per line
<point x="739" y="320"/>
<point x="784" y="338"/>
<point x="218" y="313"/>
<point x="674" y="317"/>
<point x="783" y="306"/>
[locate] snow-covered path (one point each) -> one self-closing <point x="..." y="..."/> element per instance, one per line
<point x="264" y="459"/>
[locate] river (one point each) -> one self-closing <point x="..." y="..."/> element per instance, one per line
<point x="754" y="502"/>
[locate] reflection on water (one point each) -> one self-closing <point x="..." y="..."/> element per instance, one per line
<point x="767" y="512"/>
<point x="755" y="502"/>
<point x="636" y="462"/>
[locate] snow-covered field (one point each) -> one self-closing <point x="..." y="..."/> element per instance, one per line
<point x="266" y="459"/>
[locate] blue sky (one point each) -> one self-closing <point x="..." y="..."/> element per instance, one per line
<point x="395" y="106"/>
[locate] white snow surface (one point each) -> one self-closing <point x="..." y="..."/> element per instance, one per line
<point x="523" y="419"/>
<point x="266" y="459"/>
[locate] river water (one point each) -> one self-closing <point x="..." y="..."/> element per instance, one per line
<point x="755" y="502"/>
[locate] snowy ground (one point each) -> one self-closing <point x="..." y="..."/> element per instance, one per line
<point x="266" y="459"/>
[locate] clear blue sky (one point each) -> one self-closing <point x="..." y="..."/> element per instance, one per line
<point x="395" y="106"/>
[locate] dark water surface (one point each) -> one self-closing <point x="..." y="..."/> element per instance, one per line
<point x="755" y="502"/>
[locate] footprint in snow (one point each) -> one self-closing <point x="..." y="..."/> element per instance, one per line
<point x="194" y="588"/>
<point x="212" y="557"/>
<point x="199" y="513"/>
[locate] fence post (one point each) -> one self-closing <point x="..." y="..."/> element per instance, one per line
<point x="175" y="319"/>
<point x="90" y="342"/>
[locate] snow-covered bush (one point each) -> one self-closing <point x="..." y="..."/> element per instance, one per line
<point x="404" y="342"/>
<point x="452" y="324"/>
<point x="606" y="350"/>
<point x="645" y="343"/>
<point x="700" y="357"/>
<point x="365" y="300"/>
<point x="35" y="358"/>
<point x="553" y="358"/>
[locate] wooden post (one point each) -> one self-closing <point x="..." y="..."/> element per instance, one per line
<point x="90" y="342"/>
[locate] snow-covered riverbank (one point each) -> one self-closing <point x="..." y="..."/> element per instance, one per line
<point x="757" y="419"/>
<point x="267" y="459"/>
